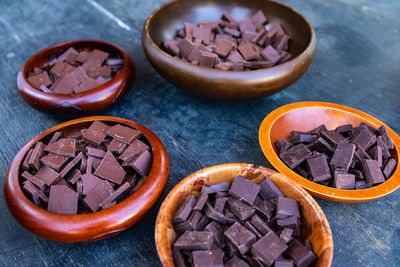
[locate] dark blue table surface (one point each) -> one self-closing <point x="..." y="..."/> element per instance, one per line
<point x="357" y="64"/>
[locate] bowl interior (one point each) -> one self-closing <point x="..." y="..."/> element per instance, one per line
<point x="315" y="225"/>
<point x="167" y="20"/>
<point x="305" y="116"/>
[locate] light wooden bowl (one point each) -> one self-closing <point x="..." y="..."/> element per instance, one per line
<point x="304" y="116"/>
<point x="315" y="226"/>
<point x="91" y="226"/>
<point x="227" y="85"/>
<point x="93" y="100"/>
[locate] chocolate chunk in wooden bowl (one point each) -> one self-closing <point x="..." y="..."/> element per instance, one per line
<point x="81" y="170"/>
<point x="238" y="233"/>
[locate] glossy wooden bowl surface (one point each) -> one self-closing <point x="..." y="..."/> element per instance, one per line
<point x="227" y="85"/>
<point x="315" y="226"/>
<point x="94" y="100"/>
<point x="91" y="226"/>
<point x="304" y="116"/>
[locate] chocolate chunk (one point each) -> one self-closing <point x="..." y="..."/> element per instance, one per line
<point x="333" y="138"/>
<point x="375" y="153"/>
<point x="296" y="138"/>
<point x="373" y="173"/>
<point x="286" y="234"/>
<point x="185" y="207"/>
<point x="123" y="133"/>
<point x="206" y="258"/>
<point x="96" y="57"/>
<point x="201" y="201"/>
<point x="320" y="145"/>
<point x="286" y="207"/>
<point x="213" y="214"/>
<point x="268" y="189"/>
<point x="62" y="200"/>
<point x="241" y="237"/>
<point x="343" y="155"/>
<point x="389" y="167"/>
<point x="110" y="169"/>
<point x="190" y="224"/>
<point x="264" y="209"/>
<point x="220" y="204"/>
<point x="258" y="19"/>
<point x="142" y="164"/>
<point x="364" y="138"/>
<point x="216" y="228"/>
<point x="269" y="53"/>
<point x="244" y="189"/>
<point x="360" y="153"/>
<point x="301" y="255"/>
<point x="282" y="145"/>
<point x="39" y="79"/>
<point x="89" y="182"/>
<point x="73" y="177"/>
<point x="117" y="146"/>
<point x="71" y="164"/>
<point x="34" y="180"/>
<point x="236" y="262"/>
<point x="134" y="149"/>
<point x="25" y="163"/>
<point x="344" y="128"/>
<point x="97" y="195"/>
<point x="96" y="133"/>
<point x="249" y="226"/>
<point x="241" y="209"/>
<point x="214" y="188"/>
<point x="48" y="175"/>
<point x="116" y="195"/>
<point x="247" y="51"/>
<point x="86" y="85"/>
<point x="319" y="169"/>
<point x="95" y="152"/>
<point x="224" y="47"/>
<point x="246" y="25"/>
<point x="386" y="137"/>
<point x="268" y="248"/>
<point x="34" y="159"/>
<point x="284" y="263"/>
<point x="317" y="131"/>
<point x="381" y="143"/>
<point x="344" y="181"/>
<point x="259" y="224"/>
<point x="194" y="240"/>
<point x="54" y="161"/>
<point x="207" y="59"/>
<point x="294" y="156"/>
<point x="63" y="147"/>
<point x="94" y="71"/>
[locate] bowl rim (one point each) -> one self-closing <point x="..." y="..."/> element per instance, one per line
<point x="113" y="219"/>
<point x="312" y="43"/>
<point x="161" y="227"/>
<point x="123" y="74"/>
<point x="315" y="189"/>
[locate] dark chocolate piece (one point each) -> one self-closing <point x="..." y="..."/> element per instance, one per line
<point x="343" y="155"/>
<point x="236" y="262"/>
<point x="375" y="153"/>
<point x="344" y="181"/>
<point x="364" y="138"/>
<point x="244" y="189"/>
<point x="96" y="133"/>
<point x="241" y="237"/>
<point x="241" y="209"/>
<point x="333" y="138"/>
<point x="134" y="149"/>
<point x="185" y="207"/>
<point x="286" y="207"/>
<point x="294" y="156"/>
<point x="207" y="258"/>
<point x="320" y="145"/>
<point x="97" y="195"/>
<point x="214" y="188"/>
<point x="71" y="164"/>
<point x="63" y="147"/>
<point x="95" y="152"/>
<point x="190" y="224"/>
<point x="110" y="169"/>
<point x="55" y="137"/>
<point x="73" y="177"/>
<point x="25" y="163"/>
<point x="34" y="159"/>
<point x="220" y="204"/>
<point x="123" y="133"/>
<point x="268" y="189"/>
<point x="194" y="240"/>
<point x="373" y="173"/>
<point x="318" y="167"/>
<point x="264" y="209"/>
<point x="216" y="228"/>
<point x="39" y="79"/>
<point x="282" y="145"/>
<point x="389" y="167"/>
<point x="260" y="225"/>
<point x="142" y="164"/>
<point x="34" y="180"/>
<point x="381" y="143"/>
<point x="386" y="137"/>
<point x="89" y="182"/>
<point x="249" y="226"/>
<point x="201" y="201"/>
<point x="286" y="234"/>
<point x="117" y="146"/>
<point x="301" y="255"/>
<point x="268" y="248"/>
<point x="284" y="263"/>
<point x="213" y="214"/>
<point x="62" y="200"/>
<point x="54" y="161"/>
<point x="48" y="175"/>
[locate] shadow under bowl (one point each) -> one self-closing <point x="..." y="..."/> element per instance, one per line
<point x="227" y="85"/>
<point x="91" y="101"/>
<point x="91" y="226"/>
<point x="305" y="116"/>
<point x="315" y="226"/>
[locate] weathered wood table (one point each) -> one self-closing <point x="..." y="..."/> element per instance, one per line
<point x="357" y="64"/>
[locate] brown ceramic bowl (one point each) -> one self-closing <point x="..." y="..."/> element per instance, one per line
<point x="91" y="226"/>
<point x="305" y="116"/>
<point x="315" y="226"/>
<point x="94" y="100"/>
<point x="227" y="85"/>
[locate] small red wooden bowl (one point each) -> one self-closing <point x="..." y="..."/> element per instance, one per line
<point x="315" y="226"/>
<point x="91" y="226"/>
<point x="305" y="116"/>
<point x="94" y="100"/>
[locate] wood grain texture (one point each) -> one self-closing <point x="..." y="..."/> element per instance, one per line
<point x="305" y="116"/>
<point x="315" y="226"/>
<point x="357" y="65"/>
<point x="91" y="226"/>
<point x="227" y="85"/>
